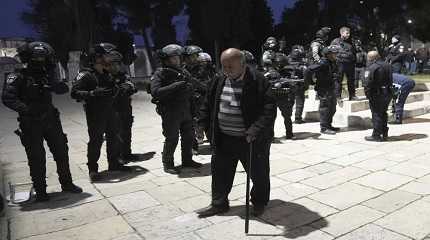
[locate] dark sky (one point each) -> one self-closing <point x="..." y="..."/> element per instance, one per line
<point x="12" y="26"/>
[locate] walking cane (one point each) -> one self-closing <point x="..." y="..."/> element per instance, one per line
<point x="248" y="181"/>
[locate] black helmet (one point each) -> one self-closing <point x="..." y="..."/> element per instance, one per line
<point x="298" y="50"/>
<point x="323" y="32"/>
<point x="280" y="60"/>
<point x="330" y="49"/>
<point x="170" y="51"/>
<point x="205" y="57"/>
<point x="192" y="49"/>
<point x="36" y="52"/>
<point x="271" y="44"/>
<point x="115" y="56"/>
<point x="249" y="57"/>
<point x="96" y="51"/>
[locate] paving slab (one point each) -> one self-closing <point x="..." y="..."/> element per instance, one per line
<point x="391" y="201"/>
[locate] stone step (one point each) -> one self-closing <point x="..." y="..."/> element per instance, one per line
<point x="363" y="119"/>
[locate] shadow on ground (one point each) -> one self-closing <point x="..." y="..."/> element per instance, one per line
<point x="290" y="216"/>
<point x="57" y="200"/>
<point x="407" y="137"/>
<point x="118" y="176"/>
<point x="204" y="171"/>
<point x="141" y="157"/>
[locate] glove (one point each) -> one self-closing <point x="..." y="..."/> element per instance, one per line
<point x="101" y="92"/>
<point x="180" y="85"/>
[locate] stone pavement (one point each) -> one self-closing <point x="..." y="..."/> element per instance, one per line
<point x="323" y="187"/>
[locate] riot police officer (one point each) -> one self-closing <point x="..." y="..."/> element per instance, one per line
<point x="173" y="95"/>
<point x="378" y="80"/>
<point x="326" y="72"/>
<point x="396" y="54"/>
<point x="270" y="48"/>
<point x="192" y="66"/>
<point x="346" y="59"/>
<point x="360" y="64"/>
<point x="319" y="44"/>
<point x="297" y="63"/>
<point x="283" y="91"/>
<point x="98" y="90"/>
<point x="250" y="59"/>
<point x="28" y="92"/>
<point x="126" y="89"/>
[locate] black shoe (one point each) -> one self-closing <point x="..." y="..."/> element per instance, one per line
<point x="373" y="138"/>
<point x="258" y="210"/>
<point x="94" y="176"/>
<point x="170" y="169"/>
<point x="42" y="197"/>
<point x="212" y="211"/>
<point x="328" y="131"/>
<point x="353" y="98"/>
<point x="71" y="188"/>
<point x="191" y="164"/>
<point x="121" y="168"/>
<point x="336" y="129"/>
<point x="289" y="136"/>
<point x="396" y="122"/>
<point x="299" y="121"/>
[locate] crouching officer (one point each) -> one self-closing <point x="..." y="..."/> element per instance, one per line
<point x="404" y="86"/>
<point x="126" y="89"/>
<point x="28" y="92"/>
<point x="97" y="89"/>
<point x="326" y="74"/>
<point x="173" y="96"/>
<point x="378" y="81"/>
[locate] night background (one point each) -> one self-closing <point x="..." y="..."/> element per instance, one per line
<point x="70" y="25"/>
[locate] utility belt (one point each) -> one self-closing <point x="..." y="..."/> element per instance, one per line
<point x="282" y="92"/>
<point x="388" y="90"/>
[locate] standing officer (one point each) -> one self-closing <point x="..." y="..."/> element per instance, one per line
<point x="326" y="73"/>
<point x="396" y="54"/>
<point x="270" y="48"/>
<point x="404" y="85"/>
<point x="98" y="90"/>
<point x="360" y="64"/>
<point x="28" y="92"/>
<point x="192" y="66"/>
<point x="297" y="63"/>
<point x="378" y="81"/>
<point x="315" y="51"/>
<point x="173" y="95"/>
<point x="123" y="104"/>
<point x="346" y="62"/>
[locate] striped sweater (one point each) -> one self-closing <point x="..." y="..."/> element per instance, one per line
<point x="230" y="117"/>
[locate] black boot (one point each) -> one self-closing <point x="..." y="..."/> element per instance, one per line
<point x="41" y="195"/>
<point x="191" y="164"/>
<point x="374" y="138"/>
<point x="71" y="188"/>
<point x="170" y="168"/>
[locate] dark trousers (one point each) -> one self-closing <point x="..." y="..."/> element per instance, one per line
<point x="177" y="121"/>
<point x="102" y="120"/>
<point x="397" y="67"/>
<point x="347" y="69"/>
<point x="379" y="106"/>
<point x="406" y="86"/>
<point x="125" y="111"/>
<point x="286" y="106"/>
<point x="327" y="107"/>
<point x="224" y="162"/>
<point x="359" y="75"/>
<point x="300" y="102"/>
<point x="34" y="132"/>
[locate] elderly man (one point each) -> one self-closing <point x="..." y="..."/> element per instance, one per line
<point x="378" y="80"/>
<point x="238" y="111"/>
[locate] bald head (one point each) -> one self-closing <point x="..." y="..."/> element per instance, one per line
<point x="372" y="56"/>
<point x="233" y="63"/>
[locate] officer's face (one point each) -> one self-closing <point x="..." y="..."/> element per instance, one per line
<point x="345" y="34"/>
<point x="233" y="67"/>
<point x="174" y="61"/>
<point x="193" y="59"/>
<point x="331" y="57"/>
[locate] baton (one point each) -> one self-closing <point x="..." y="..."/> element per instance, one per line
<point x="248" y="180"/>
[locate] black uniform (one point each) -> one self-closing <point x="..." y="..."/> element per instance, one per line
<point x="297" y="67"/>
<point x="326" y="74"/>
<point x="346" y="63"/>
<point x="125" y="111"/>
<point x="377" y="86"/>
<point x="28" y="92"/>
<point x="396" y="56"/>
<point x="98" y="91"/>
<point x="173" y="96"/>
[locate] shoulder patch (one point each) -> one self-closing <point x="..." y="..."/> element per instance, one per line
<point x="11" y="78"/>
<point x="366" y="74"/>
